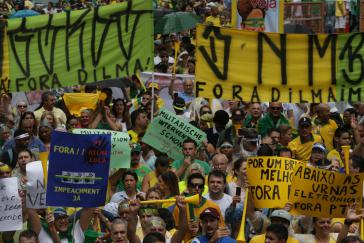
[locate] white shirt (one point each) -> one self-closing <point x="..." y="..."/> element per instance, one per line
<point x="77" y="233"/>
<point x="223" y="203"/>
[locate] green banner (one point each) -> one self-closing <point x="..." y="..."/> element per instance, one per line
<point x="79" y="47"/>
<point x="120" y="148"/>
<point x="167" y="132"/>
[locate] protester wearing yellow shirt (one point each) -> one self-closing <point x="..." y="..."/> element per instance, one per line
<point x="341" y="138"/>
<point x="139" y="122"/>
<point x="214" y="19"/>
<point x="324" y="126"/>
<point x="301" y="146"/>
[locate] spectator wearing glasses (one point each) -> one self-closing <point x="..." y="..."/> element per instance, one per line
<point x="21" y="107"/>
<point x="302" y="145"/>
<point x="273" y="119"/>
<point x="195" y="185"/>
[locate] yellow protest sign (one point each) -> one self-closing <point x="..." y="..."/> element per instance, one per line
<point x="75" y="102"/>
<point x="322" y="193"/>
<point x="256" y="66"/>
<point x="270" y="179"/>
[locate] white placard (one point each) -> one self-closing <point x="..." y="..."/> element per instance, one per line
<point x="36" y="194"/>
<point x="10" y="207"/>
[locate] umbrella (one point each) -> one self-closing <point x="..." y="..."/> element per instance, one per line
<point x="176" y="22"/>
<point x="24" y="13"/>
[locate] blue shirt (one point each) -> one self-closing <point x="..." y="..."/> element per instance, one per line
<point x="35" y="145"/>
<point x="186" y="97"/>
<point x="204" y="239"/>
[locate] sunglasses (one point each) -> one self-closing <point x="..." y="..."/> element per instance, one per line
<point x="22" y="106"/>
<point x="197" y="185"/>
<point x="206" y="112"/>
<point x="275" y="108"/>
<point x="226" y="147"/>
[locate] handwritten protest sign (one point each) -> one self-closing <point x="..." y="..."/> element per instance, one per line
<point x="321" y="193"/>
<point x="10" y="207"/>
<point x="36" y="195"/>
<point x="270" y="179"/>
<point x="78" y="170"/>
<point x="167" y="132"/>
<point x="120" y="148"/>
<point x="257" y="66"/>
<point x="79" y="47"/>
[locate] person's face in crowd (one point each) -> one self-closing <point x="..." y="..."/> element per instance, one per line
<point x="216" y="185"/>
<point x="45" y="133"/>
<point x="189" y="149"/>
<point x="119" y="107"/>
<point x="28" y="127"/>
<point x="4" y="173"/>
<point x="237" y="117"/>
<point x="205" y="110"/>
<point x="85" y="119"/>
<point x="270" y="237"/>
<point x="5" y="134"/>
<point x="256" y="110"/>
<point x="275" y="136"/>
<point x="119" y="233"/>
<point x="203" y="125"/>
<point x="145" y="216"/>
<point x="28" y="240"/>
<point x="275" y="109"/>
<point x="191" y="67"/>
<point x="130" y="183"/>
<point x="153" y="195"/>
<point x="29" y="117"/>
<point x="226" y="149"/>
<point x="209" y="225"/>
<point x="160" y="229"/>
<point x="322" y="225"/>
<point x="286" y="137"/>
<point x="135" y="158"/>
<point x="160" y="169"/>
<point x="49" y="118"/>
<point x="305" y="130"/>
<point x="335" y="165"/>
<point x="222" y="19"/>
<point x="163" y="186"/>
<point x="344" y="139"/>
<point x="124" y="212"/>
<point x="50" y="102"/>
<point x="22" y="107"/>
<point x="189" y="9"/>
<point x="323" y="113"/>
<point x="196" y="186"/>
<point x="280" y="221"/>
<point x="146" y="98"/>
<point x="317" y="155"/>
<point x="73" y="123"/>
<point x="164" y="56"/>
<point x="220" y="163"/>
<point x="61" y="223"/>
<point x="188" y="86"/>
<point x="24" y="158"/>
<point x="361" y="130"/>
<point x="10" y="121"/>
<point x="142" y="120"/>
<point x="347" y="117"/>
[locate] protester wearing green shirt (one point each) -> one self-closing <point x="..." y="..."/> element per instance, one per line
<point x="273" y="119"/>
<point x="189" y="152"/>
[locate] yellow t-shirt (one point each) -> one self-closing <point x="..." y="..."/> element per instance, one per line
<point x="215" y="21"/>
<point x="327" y="132"/>
<point x="261" y="239"/>
<point x="153" y="180"/>
<point x="302" y="151"/>
<point x="335" y="154"/>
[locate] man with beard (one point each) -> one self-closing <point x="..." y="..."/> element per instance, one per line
<point x="210" y="227"/>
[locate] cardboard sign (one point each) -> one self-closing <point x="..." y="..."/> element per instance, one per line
<point x="120" y="148"/>
<point x="322" y="193"/>
<point x="80" y="47"/>
<point x="78" y="170"/>
<point x="11" y="217"/>
<point x="36" y="193"/>
<point x="270" y="180"/>
<point x="167" y="132"/>
<point x="257" y="66"/>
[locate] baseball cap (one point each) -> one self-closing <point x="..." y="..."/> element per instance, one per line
<point x="135" y="147"/>
<point x="210" y="211"/>
<point x="57" y="212"/>
<point x="152" y="84"/>
<point x="304" y="121"/>
<point x="283" y="214"/>
<point x="179" y="103"/>
<point x="319" y="146"/>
